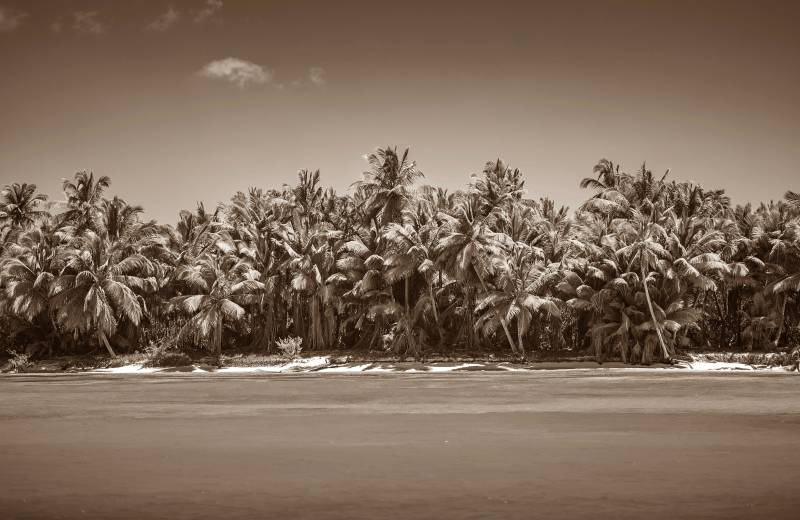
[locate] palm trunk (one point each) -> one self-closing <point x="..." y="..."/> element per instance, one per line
<point x="315" y="330"/>
<point x="781" y="320"/>
<point x="102" y="337"/>
<point x="653" y="315"/>
<point x="436" y="315"/>
<point x="218" y="337"/>
<point x="468" y="316"/>
<point x="409" y="329"/>
<point x="502" y="318"/>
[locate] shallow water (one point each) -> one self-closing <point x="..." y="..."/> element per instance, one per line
<point x="571" y="444"/>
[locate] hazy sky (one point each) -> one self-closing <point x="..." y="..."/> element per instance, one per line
<point x="180" y="101"/>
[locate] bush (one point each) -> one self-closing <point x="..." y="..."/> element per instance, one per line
<point x="163" y="356"/>
<point x="19" y="362"/>
<point x="290" y="347"/>
<point x="162" y="331"/>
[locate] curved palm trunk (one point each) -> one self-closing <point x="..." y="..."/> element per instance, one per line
<point x="436" y="315"/>
<point x="653" y="316"/>
<point x="104" y="341"/>
<point x="469" y="308"/>
<point x="781" y="321"/>
<point x="502" y="318"/>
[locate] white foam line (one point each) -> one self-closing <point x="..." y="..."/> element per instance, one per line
<point x="719" y="365"/>
<point x="347" y="369"/>
<point x="293" y="366"/>
<point x="452" y="368"/>
<point x="128" y="369"/>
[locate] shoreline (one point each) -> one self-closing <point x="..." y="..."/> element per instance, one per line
<point x="327" y="364"/>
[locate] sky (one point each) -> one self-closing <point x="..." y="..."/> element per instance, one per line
<point x="180" y="101"/>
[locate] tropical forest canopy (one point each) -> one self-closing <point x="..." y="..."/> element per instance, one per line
<point x="646" y="267"/>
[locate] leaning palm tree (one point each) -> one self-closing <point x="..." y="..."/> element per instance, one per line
<point x="522" y="291"/>
<point x="465" y="251"/>
<point x="95" y="290"/>
<point x="646" y="250"/>
<point x="792" y="198"/>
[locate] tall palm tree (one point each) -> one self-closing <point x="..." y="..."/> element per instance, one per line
<point x="412" y="254"/>
<point x="387" y="184"/>
<point x="646" y="250"/>
<point x="310" y="262"/>
<point x="465" y="251"/>
<point x="84" y="194"/>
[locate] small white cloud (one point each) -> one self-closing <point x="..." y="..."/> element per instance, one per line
<point x="317" y="76"/>
<point x="210" y="9"/>
<point x="239" y="72"/>
<point x="88" y="22"/>
<point x="10" y="19"/>
<point x="57" y="26"/>
<point x="164" y="21"/>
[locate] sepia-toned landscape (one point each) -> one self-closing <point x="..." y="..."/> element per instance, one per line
<point x="407" y="259"/>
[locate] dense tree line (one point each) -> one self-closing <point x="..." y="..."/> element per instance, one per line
<point x="645" y="267"/>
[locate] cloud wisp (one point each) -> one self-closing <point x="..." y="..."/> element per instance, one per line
<point x="241" y="73"/>
<point x="10" y="19"/>
<point x="164" y="21"/>
<point x="208" y="11"/>
<point x="89" y="22"/>
<point x="317" y="76"/>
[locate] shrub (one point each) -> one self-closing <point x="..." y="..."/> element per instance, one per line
<point x="290" y="347"/>
<point x="163" y="356"/>
<point x="19" y="362"/>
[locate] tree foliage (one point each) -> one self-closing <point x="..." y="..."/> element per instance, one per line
<point x="646" y="267"/>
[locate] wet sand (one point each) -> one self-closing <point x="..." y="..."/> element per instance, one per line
<point x="565" y="444"/>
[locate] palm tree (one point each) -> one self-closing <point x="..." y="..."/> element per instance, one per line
<point x="499" y="187"/>
<point x="464" y="252"/>
<point x="28" y="271"/>
<point x="260" y="228"/>
<point x="95" y="289"/>
<point x="310" y="262"/>
<point x="307" y="197"/>
<point x="386" y="184"/>
<point x="522" y="291"/>
<point x="646" y="250"/>
<point x="412" y="254"/>
<point x="608" y="177"/>
<point x="84" y="194"/>
<point x="21" y="206"/>
<point x="216" y="297"/>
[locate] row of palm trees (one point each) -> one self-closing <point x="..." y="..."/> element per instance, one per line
<point x="645" y="267"/>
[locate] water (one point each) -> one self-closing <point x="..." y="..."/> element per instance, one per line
<point x="564" y="444"/>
